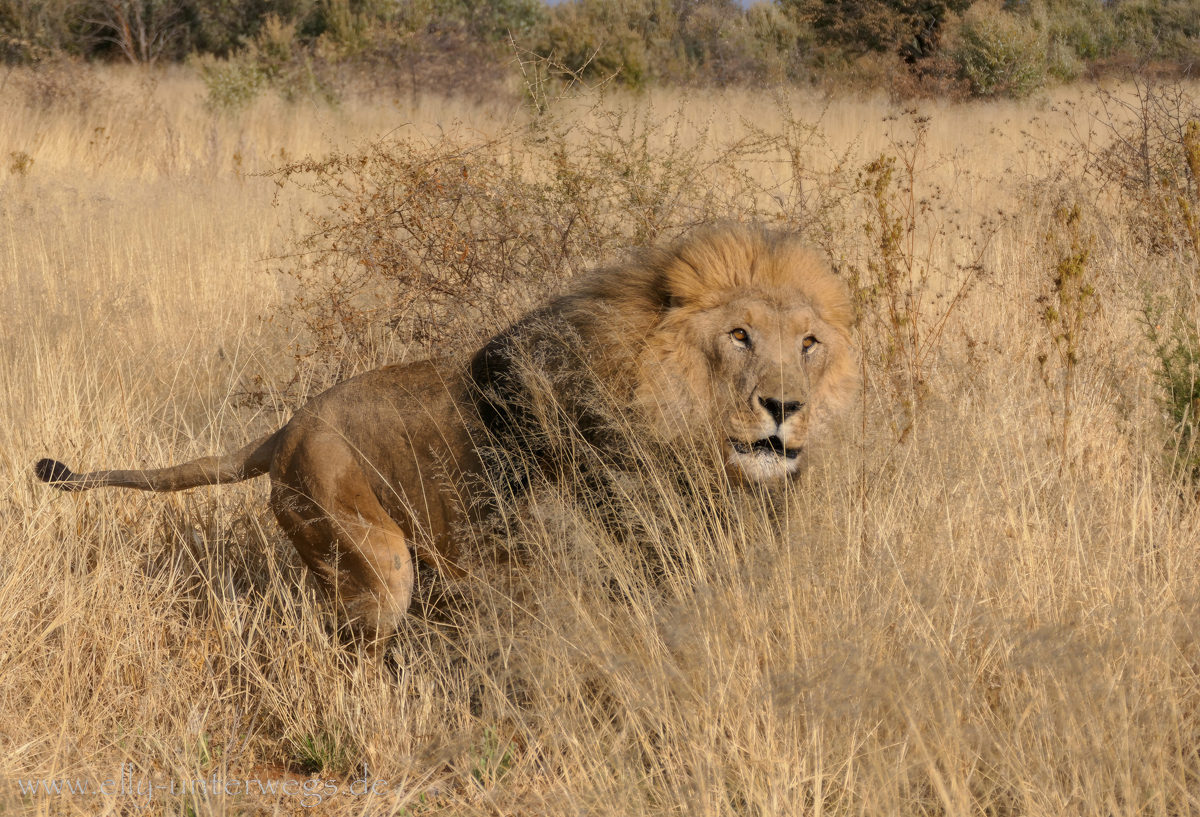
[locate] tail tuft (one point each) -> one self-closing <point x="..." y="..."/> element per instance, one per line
<point x="53" y="472"/>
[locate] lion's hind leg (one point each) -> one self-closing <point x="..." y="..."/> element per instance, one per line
<point x="356" y="550"/>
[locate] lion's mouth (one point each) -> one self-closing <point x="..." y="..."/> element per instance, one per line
<point x="771" y="444"/>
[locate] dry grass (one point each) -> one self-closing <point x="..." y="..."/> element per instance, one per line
<point x="963" y="622"/>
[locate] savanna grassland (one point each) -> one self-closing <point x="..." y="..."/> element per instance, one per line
<point x="981" y="598"/>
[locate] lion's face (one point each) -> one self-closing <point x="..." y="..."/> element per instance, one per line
<point x="754" y="371"/>
<point x="766" y="360"/>
<point x="752" y="375"/>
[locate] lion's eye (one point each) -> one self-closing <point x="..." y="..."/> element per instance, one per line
<point x="809" y="343"/>
<point x="741" y="336"/>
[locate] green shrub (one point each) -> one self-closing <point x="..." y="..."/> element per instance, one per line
<point x="1062" y="62"/>
<point x="1000" y="53"/>
<point x="777" y="32"/>
<point x="1082" y="28"/>
<point x="231" y="84"/>
<point x="911" y="27"/>
<point x="1163" y="29"/>
<point x="496" y="19"/>
<point x="31" y="30"/>
<point x="599" y="38"/>
<point x="640" y="40"/>
<point x="271" y="60"/>
<point x="724" y="43"/>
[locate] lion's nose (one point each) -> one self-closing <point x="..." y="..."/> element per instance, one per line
<point x="778" y="409"/>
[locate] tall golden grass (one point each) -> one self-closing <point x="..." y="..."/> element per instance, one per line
<point x="950" y="619"/>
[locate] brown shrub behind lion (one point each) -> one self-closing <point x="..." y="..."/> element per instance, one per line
<point x="735" y="339"/>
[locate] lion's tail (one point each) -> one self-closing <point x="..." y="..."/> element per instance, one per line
<point x="251" y="461"/>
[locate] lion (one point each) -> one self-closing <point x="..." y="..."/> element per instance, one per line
<point x="735" y="338"/>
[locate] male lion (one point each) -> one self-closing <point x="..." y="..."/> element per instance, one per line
<point x="735" y="337"/>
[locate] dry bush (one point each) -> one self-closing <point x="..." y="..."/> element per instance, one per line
<point x="439" y="60"/>
<point x="701" y="42"/>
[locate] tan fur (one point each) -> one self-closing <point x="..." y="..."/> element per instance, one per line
<point x="390" y="460"/>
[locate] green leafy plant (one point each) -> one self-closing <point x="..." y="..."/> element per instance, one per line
<point x="273" y="59"/>
<point x="912" y="28"/>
